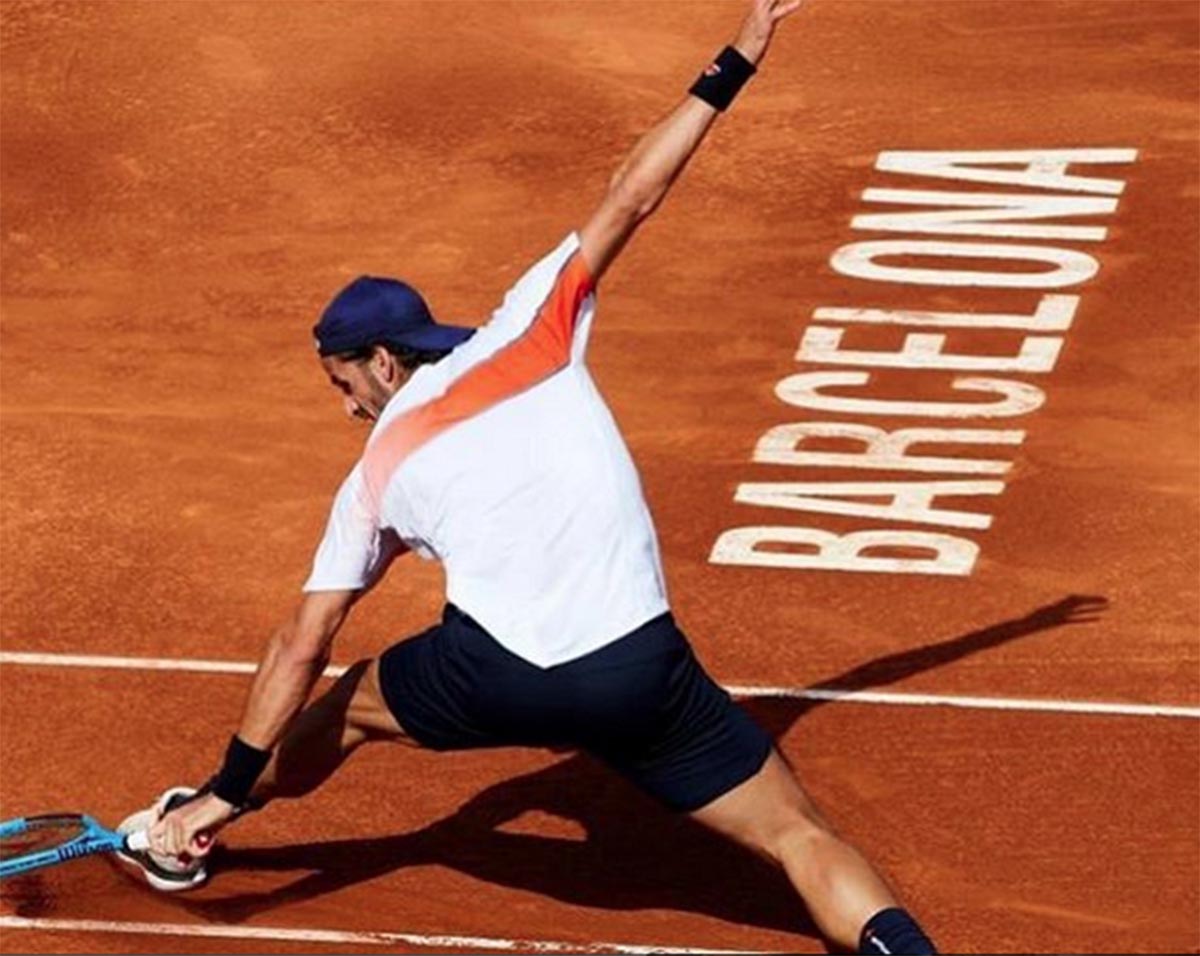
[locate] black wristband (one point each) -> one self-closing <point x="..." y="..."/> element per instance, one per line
<point x="727" y="74"/>
<point x="242" y="767"/>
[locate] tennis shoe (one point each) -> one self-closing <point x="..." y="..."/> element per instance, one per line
<point x="166" y="873"/>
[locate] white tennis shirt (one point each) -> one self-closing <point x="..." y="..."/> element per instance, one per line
<point x="503" y="462"/>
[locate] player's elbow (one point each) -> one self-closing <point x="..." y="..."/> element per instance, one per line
<point x="306" y="637"/>
<point x="300" y="647"/>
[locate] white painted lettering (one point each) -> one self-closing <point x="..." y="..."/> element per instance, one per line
<point x="924" y="350"/>
<point x="1035" y="168"/>
<point x="883" y="449"/>
<point x="983" y="211"/>
<point x="910" y="500"/>
<point x="947" y="554"/>
<point x="1037" y="196"/>
<point x="859" y="260"/>
<point x="804" y="391"/>
<point x="1054" y="313"/>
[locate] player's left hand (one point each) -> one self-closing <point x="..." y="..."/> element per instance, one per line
<point x="190" y="829"/>
<point x="759" y="26"/>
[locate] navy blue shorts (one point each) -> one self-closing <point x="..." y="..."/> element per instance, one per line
<point x="643" y="704"/>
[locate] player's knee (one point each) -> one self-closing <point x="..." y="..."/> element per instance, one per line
<point x="797" y="836"/>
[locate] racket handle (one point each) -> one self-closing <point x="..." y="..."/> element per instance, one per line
<point x="138" y="840"/>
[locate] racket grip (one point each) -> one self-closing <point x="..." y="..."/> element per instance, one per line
<point x="138" y="840"/>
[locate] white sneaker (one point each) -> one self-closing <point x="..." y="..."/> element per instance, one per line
<point x="168" y="874"/>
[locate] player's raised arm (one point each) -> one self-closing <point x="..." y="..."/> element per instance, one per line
<point x="643" y="179"/>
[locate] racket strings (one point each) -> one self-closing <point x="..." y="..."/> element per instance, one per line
<point x="39" y="835"/>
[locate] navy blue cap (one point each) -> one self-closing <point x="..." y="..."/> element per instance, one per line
<point x="371" y="311"/>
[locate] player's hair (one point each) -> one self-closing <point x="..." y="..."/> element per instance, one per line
<point x="408" y="358"/>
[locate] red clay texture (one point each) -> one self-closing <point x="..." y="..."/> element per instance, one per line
<point x="184" y="187"/>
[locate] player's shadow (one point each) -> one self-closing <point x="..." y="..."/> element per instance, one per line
<point x="634" y="856"/>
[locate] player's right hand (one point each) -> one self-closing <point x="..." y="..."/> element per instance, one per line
<point x="189" y="829"/>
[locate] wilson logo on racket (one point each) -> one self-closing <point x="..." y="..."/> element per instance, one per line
<point x="73" y="850"/>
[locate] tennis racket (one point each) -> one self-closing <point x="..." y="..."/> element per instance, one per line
<point x="28" y="843"/>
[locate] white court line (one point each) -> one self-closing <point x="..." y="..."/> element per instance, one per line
<point x="336" y="936"/>
<point x="832" y="694"/>
<point x="896" y="698"/>
<point x="139" y="663"/>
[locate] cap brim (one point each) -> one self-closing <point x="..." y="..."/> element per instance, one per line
<point x="436" y="337"/>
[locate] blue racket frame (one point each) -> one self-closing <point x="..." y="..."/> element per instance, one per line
<point x="95" y="838"/>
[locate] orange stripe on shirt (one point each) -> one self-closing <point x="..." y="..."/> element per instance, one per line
<point x="541" y="350"/>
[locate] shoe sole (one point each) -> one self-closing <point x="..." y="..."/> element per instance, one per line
<point x="163" y="880"/>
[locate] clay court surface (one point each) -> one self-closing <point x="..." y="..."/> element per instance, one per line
<point x="186" y="184"/>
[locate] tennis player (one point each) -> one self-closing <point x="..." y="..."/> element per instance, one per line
<point x="493" y="452"/>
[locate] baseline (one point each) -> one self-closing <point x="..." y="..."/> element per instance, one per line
<point x="331" y="936"/>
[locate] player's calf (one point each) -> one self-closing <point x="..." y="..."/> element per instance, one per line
<point x="772" y="815"/>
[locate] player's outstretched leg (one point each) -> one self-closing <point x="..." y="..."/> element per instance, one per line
<point x="352" y="712"/>
<point x="771" y="814"/>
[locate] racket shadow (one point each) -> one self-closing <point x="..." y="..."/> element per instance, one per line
<point x="634" y="856"/>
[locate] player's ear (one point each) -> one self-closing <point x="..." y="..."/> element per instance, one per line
<point x="384" y="364"/>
